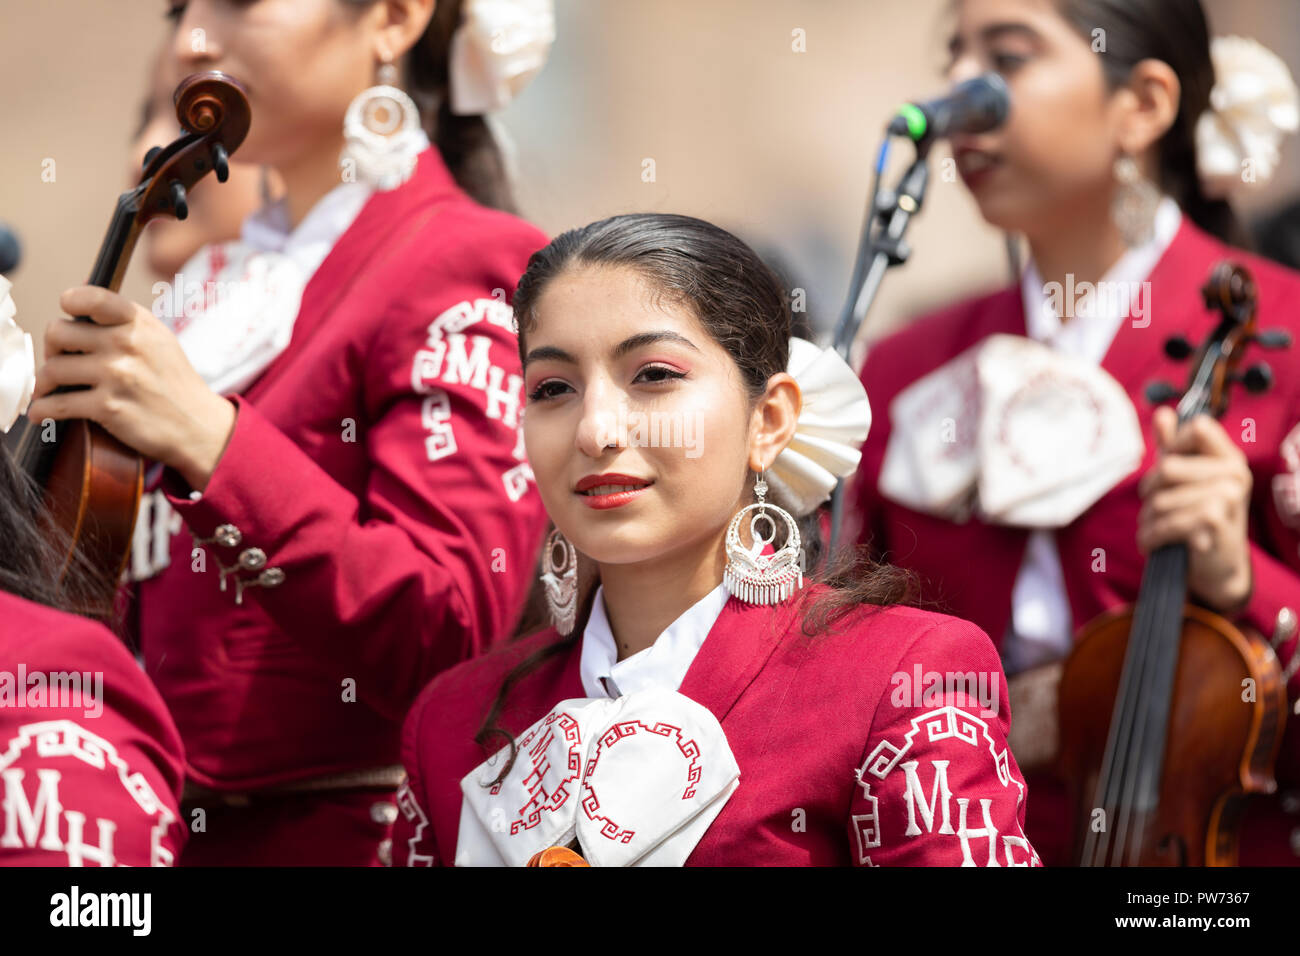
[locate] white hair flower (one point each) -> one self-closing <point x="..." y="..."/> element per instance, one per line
<point x="499" y="46"/>
<point x="830" y="430"/>
<point x="1253" y="104"/>
<point x="17" y="362"/>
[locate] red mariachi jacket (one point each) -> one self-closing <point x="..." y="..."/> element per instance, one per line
<point x="90" y="761"/>
<point x="970" y="568"/>
<point x="373" y="518"/>
<point x="849" y="751"/>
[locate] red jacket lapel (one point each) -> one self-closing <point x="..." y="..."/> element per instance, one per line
<point x="739" y="645"/>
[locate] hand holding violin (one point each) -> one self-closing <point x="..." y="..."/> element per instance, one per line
<point x="141" y="387"/>
<point x="1199" y="493"/>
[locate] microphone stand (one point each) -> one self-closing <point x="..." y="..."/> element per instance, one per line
<point x="880" y="247"/>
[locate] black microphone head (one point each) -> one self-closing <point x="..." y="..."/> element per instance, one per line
<point x="11" y="253"/>
<point x="989" y="102"/>
<point x="973" y="106"/>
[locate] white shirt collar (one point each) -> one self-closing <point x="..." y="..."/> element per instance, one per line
<point x="1092" y="328"/>
<point x="661" y="665"/>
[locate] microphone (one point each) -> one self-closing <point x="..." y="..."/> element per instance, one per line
<point x="975" y="106"/>
<point x="10" y="251"/>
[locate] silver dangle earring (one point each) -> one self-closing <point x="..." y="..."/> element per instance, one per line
<point x="560" y="581"/>
<point x="382" y="133"/>
<point x="1134" y="206"/>
<point x="754" y="577"/>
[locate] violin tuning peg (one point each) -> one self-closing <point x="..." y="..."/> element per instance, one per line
<point x="1178" y="348"/>
<point x="1257" y="379"/>
<point x="179" y="205"/>
<point x="220" y="162"/>
<point x="1273" y="339"/>
<point x="148" y="157"/>
<point x="1160" y="392"/>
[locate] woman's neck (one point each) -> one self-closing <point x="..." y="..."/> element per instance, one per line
<point x="1084" y="244"/>
<point x="641" y="600"/>
<point x="307" y="180"/>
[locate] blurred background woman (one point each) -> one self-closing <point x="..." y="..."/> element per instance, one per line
<point x="1119" y="148"/>
<point x="334" y="407"/>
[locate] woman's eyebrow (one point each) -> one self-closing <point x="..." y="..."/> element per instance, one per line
<point x="990" y="33"/>
<point x="549" y="352"/>
<point x="995" y="31"/>
<point x="642" y="339"/>
<point x="629" y="344"/>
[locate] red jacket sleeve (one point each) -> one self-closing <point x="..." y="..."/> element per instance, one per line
<point x="1275" y="550"/>
<point x="431" y="564"/>
<point x="90" y="762"/>
<point x="938" y="785"/>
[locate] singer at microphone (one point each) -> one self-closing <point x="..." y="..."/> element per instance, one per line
<point x="975" y="106"/>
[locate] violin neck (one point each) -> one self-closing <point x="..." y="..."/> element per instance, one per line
<point x="33" y="446"/>
<point x="119" y="242"/>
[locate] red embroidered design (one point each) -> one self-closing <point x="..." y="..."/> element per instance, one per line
<point x="688" y="748"/>
<point x="535" y="745"/>
<point x="1062" y="390"/>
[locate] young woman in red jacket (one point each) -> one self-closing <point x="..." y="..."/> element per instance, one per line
<point x="344" y="507"/>
<point x="702" y="705"/>
<point x="1119" y="147"/>
<point x="90" y="761"/>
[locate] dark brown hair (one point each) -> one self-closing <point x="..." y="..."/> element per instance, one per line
<point x="1174" y="32"/>
<point x="743" y="307"/>
<point x="465" y="142"/>
<point x="32" y="550"/>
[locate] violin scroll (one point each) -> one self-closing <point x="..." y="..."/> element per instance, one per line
<point x="1230" y="290"/>
<point x="213" y="110"/>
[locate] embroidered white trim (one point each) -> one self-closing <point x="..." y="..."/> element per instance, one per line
<point x="637" y="780"/>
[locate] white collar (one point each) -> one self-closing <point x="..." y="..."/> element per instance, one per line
<point x="1090" y="332"/>
<point x="661" y="665"/>
<point x="267" y="230"/>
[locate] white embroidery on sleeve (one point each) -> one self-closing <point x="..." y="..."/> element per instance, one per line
<point x="949" y="723"/>
<point x="412" y="811"/>
<point x="24" y="820"/>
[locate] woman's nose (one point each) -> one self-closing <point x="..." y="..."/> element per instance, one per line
<point x="195" y="45"/>
<point x="965" y="67"/>
<point x="598" y="428"/>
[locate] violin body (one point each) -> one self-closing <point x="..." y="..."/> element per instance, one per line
<point x="1220" y="745"/>
<point x="93" y="494"/>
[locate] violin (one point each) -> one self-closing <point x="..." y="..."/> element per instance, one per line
<point x="92" y="482"/>
<point x="1192" y="707"/>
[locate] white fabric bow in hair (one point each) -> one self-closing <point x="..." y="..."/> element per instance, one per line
<point x="637" y="780"/>
<point x="17" y="362"/>
<point x="1253" y="104"/>
<point x="1026" y="436"/>
<point x="499" y="46"/>
<point x="832" y="426"/>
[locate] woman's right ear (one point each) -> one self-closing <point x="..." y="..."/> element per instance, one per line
<point x="399" y="25"/>
<point x="1154" y="95"/>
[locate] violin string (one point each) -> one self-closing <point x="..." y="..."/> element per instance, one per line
<point x="1169" y="587"/>
<point x="1142" y="636"/>
<point x="1111" y="781"/>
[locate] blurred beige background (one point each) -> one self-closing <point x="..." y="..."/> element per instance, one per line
<point x="774" y="144"/>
